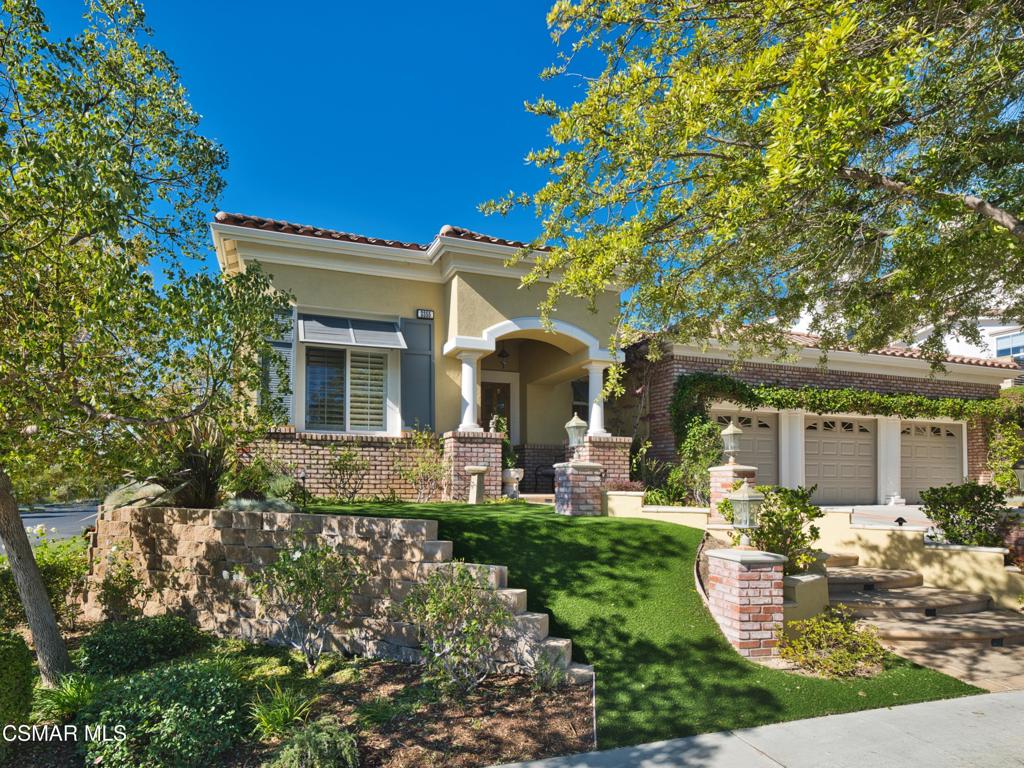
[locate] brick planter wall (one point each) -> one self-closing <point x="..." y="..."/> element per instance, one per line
<point x="612" y="453"/>
<point x="579" y="489"/>
<point x="745" y="595"/>
<point x="189" y="558"/>
<point x="463" y="449"/>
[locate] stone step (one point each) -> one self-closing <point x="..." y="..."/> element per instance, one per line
<point x="987" y="628"/>
<point x="532" y="624"/>
<point x="537" y="498"/>
<point x="558" y="650"/>
<point x="841" y="560"/>
<point x="513" y="599"/>
<point x="910" y="602"/>
<point x="857" y="577"/>
<point x="579" y="674"/>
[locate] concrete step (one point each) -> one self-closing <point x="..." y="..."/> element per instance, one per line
<point x="987" y="628"/>
<point x="579" y="674"/>
<point x="857" y="577"/>
<point x="910" y="602"/>
<point x="841" y="560"/>
<point x="537" y="498"/>
<point x="558" y="650"/>
<point x="533" y="625"/>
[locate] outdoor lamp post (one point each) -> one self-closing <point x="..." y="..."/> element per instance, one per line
<point x="576" y="429"/>
<point x="301" y="475"/>
<point x="1018" y="470"/>
<point x="745" y="504"/>
<point x="731" y="441"/>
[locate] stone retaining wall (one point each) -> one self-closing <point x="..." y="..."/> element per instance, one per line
<point x="192" y="560"/>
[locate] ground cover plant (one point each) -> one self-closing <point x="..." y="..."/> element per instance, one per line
<point x="832" y="644"/>
<point x="624" y="592"/>
<point x="124" y="646"/>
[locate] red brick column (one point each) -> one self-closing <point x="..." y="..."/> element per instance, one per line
<point x="578" y="489"/>
<point x="463" y="449"/>
<point x="745" y="597"/>
<point x="723" y="479"/>
<point x="612" y="453"/>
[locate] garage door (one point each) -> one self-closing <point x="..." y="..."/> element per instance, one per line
<point x="930" y="455"/>
<point x="759" y="443"/>
<point x="840" y="459"/>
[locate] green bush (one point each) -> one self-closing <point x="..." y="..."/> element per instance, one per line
<point x="179" y="716"/>
<point x="425" y="468"/>
<point x="700" y="450"/>
<point x="784" y="525"/>
<point x="16" y="691"/>
<point x="320" y="744"/>
<point x="460" y="621"/>
<point x="969" y="513"/>
<point x="70" y="696"/>
<point x="832" y="644"/>
<point x="346" y="472"/>
<point x="278" y="712"/>
<point x="122" y="592"/>
<point x="63" y="565"/>
<point x="119" y="647"/>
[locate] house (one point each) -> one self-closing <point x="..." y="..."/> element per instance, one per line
<point x="387" y="336"/>
<point x="1000" y="338"/>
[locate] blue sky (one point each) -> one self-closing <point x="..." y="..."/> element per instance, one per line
<point x="386" y="119"/>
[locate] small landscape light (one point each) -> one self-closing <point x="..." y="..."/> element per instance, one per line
<point x="745" y="504"/>
<point x="900" y="521"/>
<point x="731" y="441"/>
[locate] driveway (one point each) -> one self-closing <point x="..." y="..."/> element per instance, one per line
<point x="957" y="733"/>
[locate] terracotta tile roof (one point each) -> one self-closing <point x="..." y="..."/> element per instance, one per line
<point x="287" y="227"/>
<point x="467" y="234"/>
<point x="809" y="340"/>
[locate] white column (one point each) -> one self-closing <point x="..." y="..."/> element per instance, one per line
<point x="889" y="460"/>
<point x="596" y="381"/>
<point x="469" y="393"/>
<point x="792" y="462"/>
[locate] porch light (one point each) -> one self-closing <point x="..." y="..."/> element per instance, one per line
<point x="1018" y="470"/>
<point x="731" y="441"/>
<point x="745" y="504"/>
<point x="576" y="428"/>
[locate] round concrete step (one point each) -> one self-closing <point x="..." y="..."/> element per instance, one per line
<point x="987" y="628"/>
<point x="841" y="560"/>
<point x="858" y="577"/>
<point x="910" y="601"/>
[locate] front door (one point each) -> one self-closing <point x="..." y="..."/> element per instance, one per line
<point x="495" y="400"/>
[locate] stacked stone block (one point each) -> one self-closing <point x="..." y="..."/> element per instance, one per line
<point x="745" y="594"/>
<point x="724" y="480"/>
<point x="196" y="562"/>
<point x="579" y="489"/>
<point x="612" y="453"/>
<point x="464" y="449"/>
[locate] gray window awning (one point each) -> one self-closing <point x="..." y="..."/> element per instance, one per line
<point x="350" y="332"/>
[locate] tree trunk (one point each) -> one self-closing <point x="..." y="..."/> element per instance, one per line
<point x="51" y="652"/>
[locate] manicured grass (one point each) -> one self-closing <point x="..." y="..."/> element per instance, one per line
<point x="623" y="591"/>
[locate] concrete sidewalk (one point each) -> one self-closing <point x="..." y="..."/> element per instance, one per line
<point x="962" y="733"/>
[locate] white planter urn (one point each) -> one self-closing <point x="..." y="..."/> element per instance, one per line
<point x="510" y="479"/>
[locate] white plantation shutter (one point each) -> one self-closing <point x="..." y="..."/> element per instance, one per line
<point x="367" y="391"/>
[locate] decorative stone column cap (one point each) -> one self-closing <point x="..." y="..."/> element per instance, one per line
<point x="733" y="468"/>
<point x="748" y="557"/>
<point x="476" y="469"/>
<point x="579" y="466"/>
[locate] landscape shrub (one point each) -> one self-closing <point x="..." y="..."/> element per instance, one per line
<point x="509" y="457"/>
<point x="971" y="514"/>
<point x="313" y="586"/>
<point x="72" y="694"/>
<point x="122" y="592"/>
<point x="700" y="450"/>
<point x="190" y="458"/>
<point x="784" y="525"/>
<point x="460" y="621"/>
<point x="179" y="716"/>
<point x="323" y="743"/>
<point x="832" y="644"/>
<point x="649" y="471"/>
<point x="424" y="467"/>
<point x="249" y="477"/>
<point x="279" y="710"/>
<point x="63" y="565"/>
<point x="16" y="690"/>
<point x="119" y="647"/>
<point x="1005" y="448"/>
<point x="346" y="472"/>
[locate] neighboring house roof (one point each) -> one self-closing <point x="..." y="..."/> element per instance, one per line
<point x="290" y="228"/>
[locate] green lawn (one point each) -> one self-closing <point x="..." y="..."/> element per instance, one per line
<point x="623" y="591"/>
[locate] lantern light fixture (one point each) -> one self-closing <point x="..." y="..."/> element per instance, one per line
<point x="1018" y="470"/>
<point x="745" y="502"/>
<point x="731" y="441"/>
<point x="576" y="429"/>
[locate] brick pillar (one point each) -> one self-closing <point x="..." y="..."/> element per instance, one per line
<point x="578" y="489"/>
<point x="745" y="597"/>
<point x="462" y="449"/>
<point x="723" y="479"/>
<point x="612" y="453"/>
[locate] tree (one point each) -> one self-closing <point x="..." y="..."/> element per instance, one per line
<point x="106" y="186"/>
<point x="735" y="164"/>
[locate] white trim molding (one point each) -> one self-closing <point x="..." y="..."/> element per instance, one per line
<point x="487" y="340"/>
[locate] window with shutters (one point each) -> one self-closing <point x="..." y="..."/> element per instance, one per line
<point x="346" y="390"/>
<point x="367" y="391"/>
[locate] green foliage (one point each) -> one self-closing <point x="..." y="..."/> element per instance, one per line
<point x="547" y="675"/>
<point x="323" y="743"/>
<point x="122" y="591"/>
<point x="646" y="469"/>
<point x="509" y="458"/>
<point x="694" y="392"/>
<point x="279" y="711"/>
<point x="381" y="710"/>
<point x="969" y="513"/>
<point x="1005" y="448"/>
<point x="426" y="469"/>
<point x="63" y="565"/>
<point x="700" y="450"/>
<point x="460" y="622"/>
<point x="346" y="472"/>
<point x="313" y="586"/>
<point x="16" y="691"/>
<point x="249" y="475"/>
<point x="785" y="525"/>
<point x="180" y="716"/>
<point x="283" y="487"/>
<point x="72" y="694"/>
<point x="732" y="168"/>
<point x="125" y="646"/>
<point x="195" y="459"/>
<point x="832" y="644"/>
<point x="259" y="505"/>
